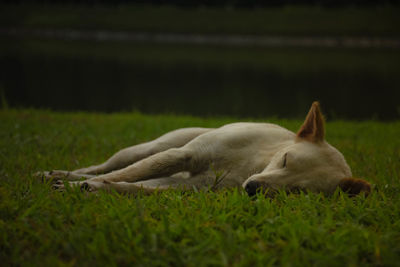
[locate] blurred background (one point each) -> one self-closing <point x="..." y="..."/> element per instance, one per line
<point x="247" y="59"/>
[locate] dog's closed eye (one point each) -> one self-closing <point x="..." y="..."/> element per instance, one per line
<point x="284" y="160"/>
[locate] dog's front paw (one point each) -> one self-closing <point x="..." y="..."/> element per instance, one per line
<point x="91" y="186"/>
<point x="85" y="186"/>
<point x="61" y="186"/>
<point x="52" y="175"/>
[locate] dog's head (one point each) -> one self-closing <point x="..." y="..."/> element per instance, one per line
<point x="309" y="163"/>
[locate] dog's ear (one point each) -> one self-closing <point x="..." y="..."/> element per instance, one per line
<point x="355" y="186"/>
<point x="313" y="128"/>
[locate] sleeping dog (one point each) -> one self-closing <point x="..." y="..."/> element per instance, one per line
<point x="256" y="156"/>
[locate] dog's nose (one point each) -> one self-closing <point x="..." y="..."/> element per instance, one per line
<point x="251" y="188"/>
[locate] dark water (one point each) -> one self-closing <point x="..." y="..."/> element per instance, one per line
<point x="240" y="82"/>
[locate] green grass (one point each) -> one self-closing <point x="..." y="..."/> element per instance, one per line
<point x="41" y="227"/>
<point x="289" y="20"/>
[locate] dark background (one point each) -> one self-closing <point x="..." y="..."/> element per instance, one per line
<point x="218" y="79"/>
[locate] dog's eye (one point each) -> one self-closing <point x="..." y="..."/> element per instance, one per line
<point x="284" y="160"/>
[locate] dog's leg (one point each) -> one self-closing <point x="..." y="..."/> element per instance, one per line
<point x="63" y="175"/>
<point x="163" y="164"/>
<point x="132" y="188"/>
<point x="127" y="156"/>
<point x="123" y="187"/>
<point x="198" y="182"/>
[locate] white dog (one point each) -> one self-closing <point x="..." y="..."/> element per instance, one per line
<point x="256" y="156"/>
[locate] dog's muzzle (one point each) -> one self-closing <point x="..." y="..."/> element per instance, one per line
<point x="252" y="188"/>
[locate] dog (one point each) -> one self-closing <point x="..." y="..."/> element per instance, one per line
<point x="260" y="157"/>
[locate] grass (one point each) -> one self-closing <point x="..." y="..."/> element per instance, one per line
<point x="288" y="20"/>
<point x="41" y="227"/>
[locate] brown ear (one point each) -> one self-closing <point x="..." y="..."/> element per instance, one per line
<point x="313" y="128"/>
<point x="354" y="186"/>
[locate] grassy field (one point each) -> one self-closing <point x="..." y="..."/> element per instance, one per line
<point x="288" y="20"/>
<point x="41" y="227"/>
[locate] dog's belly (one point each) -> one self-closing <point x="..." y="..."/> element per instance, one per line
<point x="238" y="150"/>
